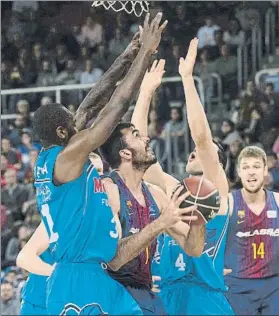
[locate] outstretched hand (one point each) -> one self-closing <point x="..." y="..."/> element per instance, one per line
<point x="153" y="77"/>
<point x="186" y="66"/>
<point x="152" y="32"/>
<point x="133" y="48"/>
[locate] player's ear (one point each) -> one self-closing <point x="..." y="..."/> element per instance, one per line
<point x="125" y="154"/>
<point x="61" y="132"/>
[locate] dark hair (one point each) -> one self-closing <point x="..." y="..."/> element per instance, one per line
<point x="47" y="119"/>
<point x="221" y="154"/>
<point x="110" y="149"/>
<point x="270" y="84"/>
<point x="271" y="154"/>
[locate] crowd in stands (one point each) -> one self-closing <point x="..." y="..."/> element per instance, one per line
<point x="52" y="43"/>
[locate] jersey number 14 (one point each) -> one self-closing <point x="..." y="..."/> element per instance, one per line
<point x="258" y="251"/>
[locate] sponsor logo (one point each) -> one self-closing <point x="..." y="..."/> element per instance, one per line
<point x="271" y="214"/>
<point x="212" y="214"/>
<point x="89" y="309"/>
<point x="41" y="170"/>
<point x="98" y="185"/>
<point x="259" y="232"/>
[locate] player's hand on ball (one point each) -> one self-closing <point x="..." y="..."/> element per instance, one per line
<point x="172" y="213"/>
<point x="153" y="77"/>
<point x="133" y="48"/>
<point x="186" y="66"/>
<point x="151" y="34"/>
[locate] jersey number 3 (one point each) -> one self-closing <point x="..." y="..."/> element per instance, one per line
<point x="45" y="212"/>
<point x="179" y="263"/>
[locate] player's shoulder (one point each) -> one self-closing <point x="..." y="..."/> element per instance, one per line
<point x="157" y="193"/>
<point x="108" y="182"/>
<point x="113" y="194"/>
<point x="276" y="197"/>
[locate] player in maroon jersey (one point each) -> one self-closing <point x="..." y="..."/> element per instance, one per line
<point x="252" y="250"/>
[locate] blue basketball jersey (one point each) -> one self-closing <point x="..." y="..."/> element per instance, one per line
<point x="208" y="268"/>
<point x="76" y="215"/>
<point x="34" y="290"/>
<point x="170" y="262"/>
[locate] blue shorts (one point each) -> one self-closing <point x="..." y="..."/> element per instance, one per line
<point x="149" y="302"/>
<point x="87" y="289"/>
<point x="31" y="309"/>
<point x="191" y="298"/>
<point x="254" y="296"/>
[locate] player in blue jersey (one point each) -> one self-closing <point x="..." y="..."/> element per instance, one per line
<point x="33" y="294"/>
<point x="252" y="251"/>
<point x="191" y="285"/>
<point x="143" y="211"/>
<point x="77" y="220"/>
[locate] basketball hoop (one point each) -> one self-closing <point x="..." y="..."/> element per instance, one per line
<point x="136" y="7"/>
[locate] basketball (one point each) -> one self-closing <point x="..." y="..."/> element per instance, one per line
<point x="204" y="195"/>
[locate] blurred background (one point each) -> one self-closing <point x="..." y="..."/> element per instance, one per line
<point x="54" y="52"/>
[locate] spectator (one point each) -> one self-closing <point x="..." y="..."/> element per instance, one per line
<point x="14" y="194"/>
<point x="204" y="68"/>
<point x="9" y="306"/>
<point x="249" y="101"/>
<point x="154" y="128"/>
<point x="61" y="58"/>
<point x="70" y="75"/>
<point x="36" y="59"/>
<point x="273" y="170"/>
<point x="175" y="126"/>
<point x="173" y="60"/>
<point x="270" y="96"/>
<point x="16" y="78"/>
<point x="214" y="51"/>
<point x="226" y="67"/>
<point x="234" y="36"/>
<point x="26" y="146"/>
<point x="24" y="65"/>
<point x="227" y="128"/>
<point x="22" y="108"/>
<point x="46" y="101"/>
<point x="16" y="129"/>
<point x="4" y="167"/>
<point x="92" y="33"/>
<point x="46" y="77"/>
<point x="13" y="156"/>
<point x="118" y="44"/>
<point x="5" y="75"/>
<point x="91" y="74"/>
<point x="206" y="33"/>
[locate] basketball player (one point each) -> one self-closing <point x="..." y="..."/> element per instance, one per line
<point x="252" y="250"/>
<point x="34" y="292"/>
<point x="75" y="212"/>
<point x="191" y="286"/>
<point x="138" y="206"/>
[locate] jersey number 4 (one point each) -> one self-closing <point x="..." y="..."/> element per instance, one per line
<point x="179" y="263"/>
<point x="258" y="251"/>
<point x="45" y="212"/>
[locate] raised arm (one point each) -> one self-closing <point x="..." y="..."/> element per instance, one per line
<point x="29" y="259"/>
<point x="200" y="130"/>
<point x="71" y="160"/>
<point x="150" y="83"/>
<point x="101" y="92"/>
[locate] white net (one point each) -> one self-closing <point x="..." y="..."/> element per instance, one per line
<point x="136" y="7"/>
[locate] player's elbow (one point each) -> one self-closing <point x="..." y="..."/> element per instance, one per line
<point x="20" y="260"/>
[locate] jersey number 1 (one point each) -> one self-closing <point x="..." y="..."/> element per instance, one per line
<point x="45" y="212"/>
<point x="258" y="251"/>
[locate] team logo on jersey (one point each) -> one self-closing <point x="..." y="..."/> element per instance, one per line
<point x="129" y="204"/>
<point x="41" y="170"/>
<point x="88" y="309"/>
<point x="98" y="185"/>
<point x="241" y="215"/>
<point x="271" y="214"/>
